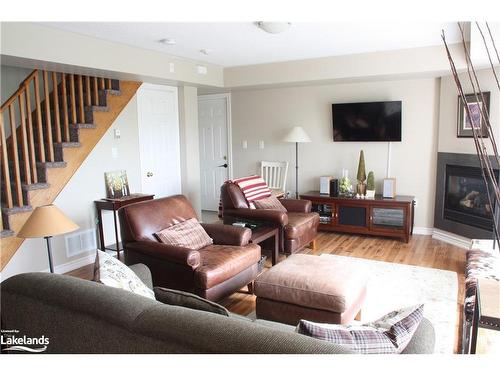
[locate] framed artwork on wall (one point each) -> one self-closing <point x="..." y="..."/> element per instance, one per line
<point x="116" y="184"/>
<point x="464" y="126"/>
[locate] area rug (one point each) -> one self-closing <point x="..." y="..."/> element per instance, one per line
<point x="392" y="286"/>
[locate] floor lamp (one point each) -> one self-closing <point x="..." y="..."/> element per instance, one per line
<point x="46" y="222"/>
<point x="297" y="135"/>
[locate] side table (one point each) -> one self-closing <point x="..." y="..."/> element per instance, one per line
<point x="486" y="309"/>
<point x="114" y="205"/>
<point x="263" y="233"/>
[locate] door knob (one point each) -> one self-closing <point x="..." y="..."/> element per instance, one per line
<point x="223" y="165"/>
<point x="149" y="174"/>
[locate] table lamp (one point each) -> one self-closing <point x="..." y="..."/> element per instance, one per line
<point x="297" y="135"/>
<point x="47" y="221"/>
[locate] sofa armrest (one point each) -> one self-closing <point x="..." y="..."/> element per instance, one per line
<point x="297" y="205"/>
<point x="174" y="254"/>
<point x="142" y="271"/>
<point x="228" y="234"/>
<point x="275" y="217"/>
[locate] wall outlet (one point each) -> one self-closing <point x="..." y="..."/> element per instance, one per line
<point x="172" y="67"/>
<point x="118" y="134"/>
<point x="416" y="202"/>
<point x="261" y="145"/>
<point x="244" y="145"/>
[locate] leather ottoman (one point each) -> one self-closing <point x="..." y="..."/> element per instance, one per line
<point x="310" y="287"/>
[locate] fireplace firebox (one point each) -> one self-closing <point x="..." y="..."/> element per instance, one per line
<point x="462" y="204"/>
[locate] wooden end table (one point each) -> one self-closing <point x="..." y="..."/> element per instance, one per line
<point x="114" y="205"/>
<point x="486" y="309"/>
<point x="263" y="233"/>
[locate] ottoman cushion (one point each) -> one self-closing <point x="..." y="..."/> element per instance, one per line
<point x="313" y="282"/>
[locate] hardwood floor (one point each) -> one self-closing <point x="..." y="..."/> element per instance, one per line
<point x="421" y="251"/>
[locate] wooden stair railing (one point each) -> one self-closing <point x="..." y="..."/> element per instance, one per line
<point x="40" y="116"/>
<point x="54" y="120"/>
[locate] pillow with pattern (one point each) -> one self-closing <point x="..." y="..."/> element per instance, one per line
<point x="111" y="272"/>
<point x="189" y="234"/>
<point x="270" y="203"/>
<point x="387" y="335"/>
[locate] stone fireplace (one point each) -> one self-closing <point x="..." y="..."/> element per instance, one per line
<point x="462" y="204"/>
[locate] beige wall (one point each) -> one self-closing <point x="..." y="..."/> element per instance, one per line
<point x="10" y="78"/>
<point x="189" y="137"/>
<point x="448" y="140"/>
<point x="87" y="185"/>
<point x="373" y="66"/>
<point x="40" y="46"/>
<point x="268" y="114"/>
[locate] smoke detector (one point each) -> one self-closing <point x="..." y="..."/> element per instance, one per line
<point x="274" y="27"/>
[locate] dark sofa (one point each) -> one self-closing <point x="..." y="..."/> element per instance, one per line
<point x="80" y="316"/>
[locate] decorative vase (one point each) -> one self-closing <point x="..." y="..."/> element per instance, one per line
<point x="370" y="194"/>
<point x="361" y="189"/>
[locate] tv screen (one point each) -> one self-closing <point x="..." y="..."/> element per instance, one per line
<point x="367" y="122"/>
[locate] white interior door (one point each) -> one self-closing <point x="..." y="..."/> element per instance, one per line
<point x="159" y="140"/>
<point x="213" y="121"/>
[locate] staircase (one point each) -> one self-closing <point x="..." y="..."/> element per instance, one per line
<point x="55" y="120"/>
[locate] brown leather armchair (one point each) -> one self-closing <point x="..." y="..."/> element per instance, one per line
<point x="298" y="226"/>
<point x="212" y="272"/>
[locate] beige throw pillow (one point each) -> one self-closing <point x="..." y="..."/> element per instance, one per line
<point x="111" y="272"/>
<point x="189" y="234"/>
<point x="270" y="203"/>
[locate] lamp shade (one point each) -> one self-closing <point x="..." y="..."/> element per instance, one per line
<point x="297" y="134"/>
<point x="46" y="221"/>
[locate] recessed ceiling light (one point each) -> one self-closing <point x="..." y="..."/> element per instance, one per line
<point x="167" y="41"/>
<point x="274" y="27"/>
<point x="205" y="51"/>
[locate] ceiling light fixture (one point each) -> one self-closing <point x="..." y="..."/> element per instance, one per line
<point x="205" y="51"/>
<point x="274" y="27"/>
<point x="167" y="41"/>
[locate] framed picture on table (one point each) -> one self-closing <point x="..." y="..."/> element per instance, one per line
<point x="464" y="126"/>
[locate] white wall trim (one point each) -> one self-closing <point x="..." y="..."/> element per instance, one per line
<point x="423" y="231"/>
<point x="451" y="238"/>
<point x="226" y="96"/>
<point x="441" y="235"/>
<point x="74" y="264"/>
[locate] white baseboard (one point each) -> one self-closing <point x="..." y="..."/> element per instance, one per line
<point x="423" y="230"/>
<point x="74" y="264"/>
<point x="451" y="238"/>
<point x="441" y="235"/>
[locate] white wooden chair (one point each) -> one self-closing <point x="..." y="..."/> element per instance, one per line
<point x="274" y="173"/>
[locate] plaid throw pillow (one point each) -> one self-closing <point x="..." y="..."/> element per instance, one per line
<point x="387" y="335"/>
<point x="271" y="203"/>
<point x="189" y="234"/>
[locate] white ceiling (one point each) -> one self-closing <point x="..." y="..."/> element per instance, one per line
<point x="233" y="44"/>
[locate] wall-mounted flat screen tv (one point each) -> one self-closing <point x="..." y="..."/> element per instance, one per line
<point x="367" y="122"/>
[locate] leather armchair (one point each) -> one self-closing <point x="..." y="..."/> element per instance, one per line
<point x="212" y="272"/>
<point x="298" y="226"/>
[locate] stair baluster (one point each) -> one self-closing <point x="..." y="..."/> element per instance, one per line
<point x="5" y="166"/>
<point x="48" y="122"/>
<point x="31" y="139"/>
<point x="80" y="100"/>
<point x="65" y="107"/>
<point x="57" y="116"/>
<point x="39" y="123"/>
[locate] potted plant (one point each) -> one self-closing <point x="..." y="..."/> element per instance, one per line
<point x="370" y="185"/>
<point x="345" y="185"/>
<point x="361" y="187"/>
